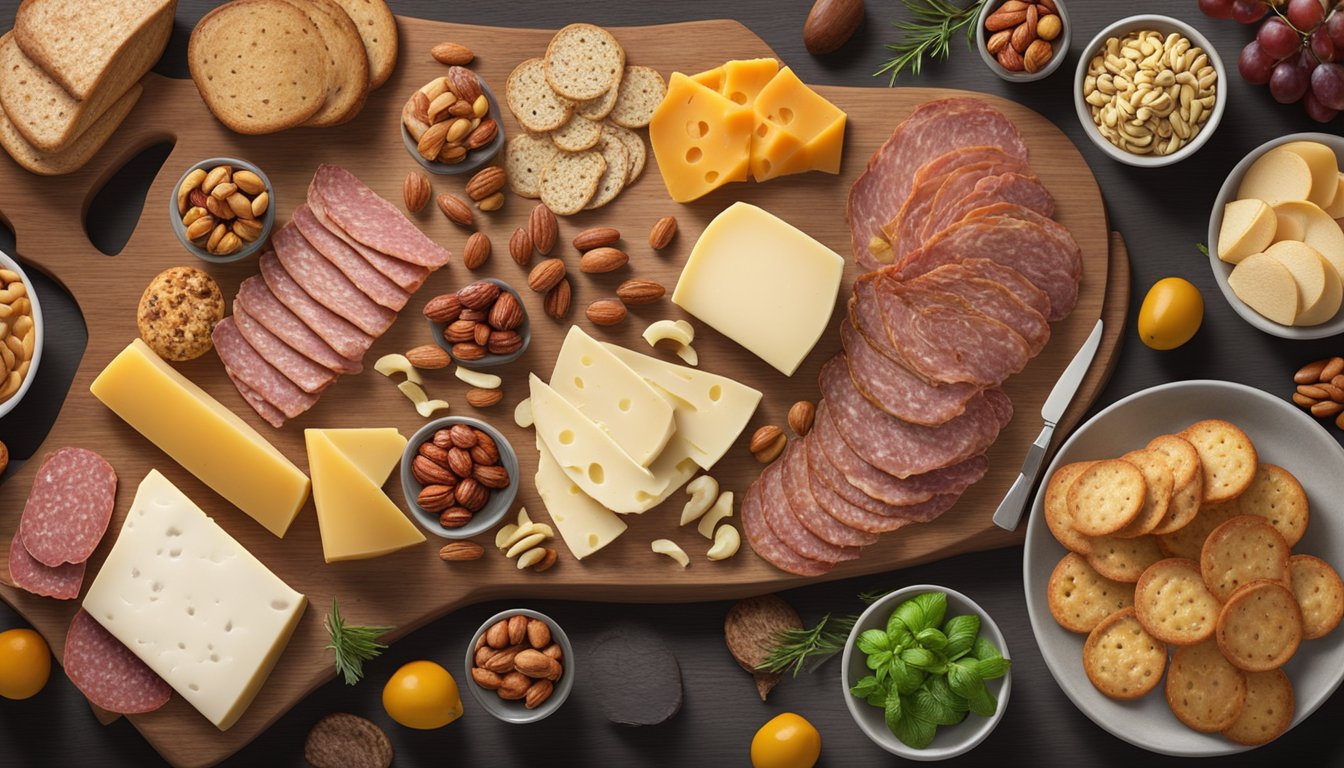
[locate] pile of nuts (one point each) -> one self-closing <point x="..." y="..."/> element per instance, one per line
<point x="222" y="209"/>
<point x="1149" y="94"/>
<point x="518" y="660"/>
<point x="767" y="443"/>
<point x="1320" y="389"/>
<point x="458" y="469"/>
<point x="18" y="335"/>
<point x="481" y="319"/>
<point x="524" y="542"/>
<point x="450" y="116"/>
<point x="1021" y="33"/>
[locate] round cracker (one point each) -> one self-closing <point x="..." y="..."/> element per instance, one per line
<point x="1319" y="593"/>
<point x="1188" y="541"/>
<point x="1106" y="497"/>
<point x="1268" y="711"/>
<point x="1187" y="481"/>
<point x="1158" y="480"/>
<point x="570" y="181"/>
<point x="1173" y="604"/>
<point x="1181" y="456"/>
<point x="1122" y="559"/>
<point x="1243" y="549"/>
<point x="347" y="64"/>
<point x="1080" y="598"/>
<point x="1277" y="496"/>
<point x="1056" y="506"/>
<point x="1121" y="659"/>
<point x="613" y="178"/>
<point x="641" y="91"/>
<point x="1260" y="627"/>
<point x="531" y="100"/>
<point x="598" y="109"/>
<point x="583" y="62"/>
<point x="1203" y="690"/>
<point x="577" y="135"/>
<point x="1227" y="456"/>
<point x="634" y="146"/>
<point x="525" y="157"/>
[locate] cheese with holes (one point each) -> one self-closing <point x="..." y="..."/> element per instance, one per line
<point x="375" y="452"/>
<point x="356" y="519"/>
<point x="701" y="139"/>
<point x="710" y="411"/>
<point x="585" y="525"/>
<point x="618" y="399"/>
<point x="740" y="80"/>
<point x="796" y="130"/>
<point x="763" y="283"/>
<point x="207" y="439"/>
<point x="192" y="603"/>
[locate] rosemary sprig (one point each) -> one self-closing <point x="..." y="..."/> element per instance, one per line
<point x="798" y="648"/>
<point x="353" y="644"/>
<point x="928" y="34"/>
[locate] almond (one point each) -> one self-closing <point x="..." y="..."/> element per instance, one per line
<point x="484" y="398"/>
<point x="444" y="308"/>
<point x="518" y="633"/>
<point x="432" y="141"/>
<point x="596" y="237"/>
<point x="504" y="342"/>
<point x="542" y="227"/>
<point x="482" y="134"/>
<point x="428" y="472"/>
<point x="801" y="416"/>
<point x="435" y="498"/>
<point x="497" y="636"/>
<point x="557" y="300"/>
<point x="492" y="203"/>
<point x="538" y="693"/>
<point x="452" y="53"/>
<point x="478" y="295"/>
<point x="477" y="251"/>
<point x="485" y="451"/>
<point x="458" y="460"/>
<point x="546" y="275"/>
<point x="830" y="24"/>
<point x="481" y="334"/>
<point x="458" y="551"/>
<point x="600" y="260"/>
<point x="1038" y="54"/>
<point x="429" y="357"/>
<point x="415" y="191"/>
<point x="467" y="351"/>
<point x="514" y="686"/>
<point x="1004" y="18"/>
<point x="485" y="678"/>
<point x="606" y="312"/>
<point x="547" y="562"/>
<point x="506" y="314"/>
<point x="455" y="517"/>
<point x="494" y="476"/>
<point x="1011" y="60"/>
<point x="503" y="662"/>
<point x="486" y="182"/>
<point x="998" y="41"/>
<point x="455" y="209"/>
<point x="520" y="247"/>
<point x="471" y="494"/>
<point x="459" y="331"/>
<point x="554" y="651"/>
<point x="662" y="232"/>
<point x="435" y="453"/>
<point x="767" y="443"/>
<point x="534" y="663"/>
<point x="463" y="82"/>
<point x="1025" y="33"/>
<point x="461" y="436"/>
<point x="635" y="292"/>
<point x="538" y="634"/>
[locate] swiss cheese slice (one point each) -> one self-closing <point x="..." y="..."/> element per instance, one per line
<point x="585" y="525"/>
<point x="356" y="519"/>
<point x="373" y="451"/>
<point x="739" y="80"/>
<point x="701" y="139"/>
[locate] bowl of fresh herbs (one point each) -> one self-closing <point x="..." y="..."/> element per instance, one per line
<point x="925" y="673"/>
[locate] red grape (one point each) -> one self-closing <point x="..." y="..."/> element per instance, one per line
<point x="1321" y="45"/>
<point x="1217" y="9"/>
<point x="1249" y="11"/>
<point x="1254" y="65"/>
<point x="1289" y="82"/>
<point x="1277" y="39"/>
<point x="1305" y="14"/>
<point x="1327" y="85"/>
<point x="1334" y="26"/>
<point x="1318" y="111"/>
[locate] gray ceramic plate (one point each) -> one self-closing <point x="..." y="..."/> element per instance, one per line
<point x="1283" y="435"/>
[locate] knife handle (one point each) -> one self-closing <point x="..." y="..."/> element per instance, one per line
<point x="1010" y="509"/>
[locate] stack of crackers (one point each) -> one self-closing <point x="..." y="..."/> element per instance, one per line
<point x="1187" y="545"/>
<point x="264" y="66"/>
<point x="69" y="75"/>
<point x="580" y="105"/>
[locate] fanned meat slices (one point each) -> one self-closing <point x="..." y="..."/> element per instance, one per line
<point x="327" y="285"/>
<point x="841" y="507"/>
<point x="62" y="582"/>
<point x="766" y="544"/>
<point x="373" y="283"/>
<point x="265" y="410"/>
<point x="1011" y="279"/>
<point x="368" y="218"/>
<point x="1012" y="188"/>
<point x="783" y="522"/>
<point x="308" y="375"/>
<point x="810" y="513"/>
<point x="990" y="298"/>
<point x="929" y="179"/>
<point x="262" y="305"/>
<point x="244" y="362"/>
<point x="405" y="274"/>
<point x="893" y="388"/>
<point x="345" y="339"/>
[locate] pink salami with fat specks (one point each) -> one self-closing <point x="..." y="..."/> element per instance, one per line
<point x="244" y="362"/>
<point x="809" y="512"/>
<point x="107" y="673"/>
<point x="321" y="280"/>
<point x="308" y="375"/>
<point x="373" y="221"/>
<point x="348" y="341"/>
<point x="373" y="283"/>
<point x="257" y="300"/>
<point x="69" y="507"/>
<point x="769" y="546"/>
<point x="893" y="388"/>
<point x="62" y="582"/>
<point x="405" y="274"/>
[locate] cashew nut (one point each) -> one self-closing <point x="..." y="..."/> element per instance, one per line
<point x="703" y="490"/>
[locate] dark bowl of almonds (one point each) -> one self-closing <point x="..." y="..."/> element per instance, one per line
<point x="482" y="325"/>
<point x="1023" y="40"/>
<point x="460" y="476"/>
<point x="452" y="124"/>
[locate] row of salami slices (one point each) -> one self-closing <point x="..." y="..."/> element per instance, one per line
<point x="965" y="272"/>
<point x="333" y="281"/>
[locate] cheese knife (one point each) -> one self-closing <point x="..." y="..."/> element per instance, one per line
<point x="1010" y="509"/>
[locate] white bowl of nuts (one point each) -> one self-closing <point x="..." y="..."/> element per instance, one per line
<point x="452" y="124"/>
<point x="223" y="209"/>
<point x="460" y="476"/>
<point x="20" y="334"/>
<point x="521" y="666"/>
<point x="1023" y="40"/>
<point x="1150" y="90"/>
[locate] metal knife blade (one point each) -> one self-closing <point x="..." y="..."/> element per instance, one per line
<point x="1071" y="378"/>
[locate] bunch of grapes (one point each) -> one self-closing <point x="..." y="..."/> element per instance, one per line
<point x="1297" y="50"/>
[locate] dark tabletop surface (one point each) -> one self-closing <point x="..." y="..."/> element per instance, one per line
<point x="1162" y="214"/>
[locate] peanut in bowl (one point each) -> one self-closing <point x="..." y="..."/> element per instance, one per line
<point x="21" y="334"/>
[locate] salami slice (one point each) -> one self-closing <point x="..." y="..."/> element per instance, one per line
<point x="68" y="507"/>
<point x="1011" y="279"/>
<point x="371" y="220"/>
<point x="244" y="363"/>
<point x="893" y="388"/>
<point x="265" y="410"/>
<point x="1013" y="188"/>
<point x="321" y="280"/>
<point x="767" y="544"/>
<point x="843" y="510"/>
<point x="405" y="274"/>
<point x="309" y="376"/>
<point x="929" y="179"/>
<point x="783" y="521"/>
<point x="815" y="518"/>
<point x="345" y="339"/>
<point x="990" y="298"/>
<point x="262" y="305"/>
<point x="952" y="187"/>
<point x="107" y="673"/>
<point x="62" y="582"/>
<point x="373" y="283"/>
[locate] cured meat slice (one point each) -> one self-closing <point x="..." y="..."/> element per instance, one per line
<point x="243" y="362"/>
<point x="68" y="507"/>
<point x="990" y="298"/>
<point x="929" y="178"/>
<point x="371" y="220"/>
<point x="62" y="582"/>
<point x="940" y="192"/>
<point x="843" y="510"/>
<point x="1011" y="279"/>
<point x="815" y="518"/>
<point x="345" y="339"/>
<point x="931" y="130"/>
<point x="368" y="279"/>
<point x="1058" y="231"/>
<point x="309" y="376"/>
<point x="1025" y="246"/>
<point x="893" y="388"/>
<point x="902" y="449"/>
<point x="265" y="410"/>
<point x="107" y="673"/>
<point x="321" y="280"/>
<point x="405" y="274"/>
<point x="766" y="544"/>
<point x="1013" y="188"/>
<point x="262" y="305"/>
<point x="783" y="521"/>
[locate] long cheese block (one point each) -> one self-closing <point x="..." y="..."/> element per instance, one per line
<point x="207" y="439"/>
<point x="193" y="603"/>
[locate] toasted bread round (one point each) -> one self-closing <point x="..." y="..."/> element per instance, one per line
<point x="1122" y="559"/>
<point x="525" y="157"/>
<point x="1080" y="598"/>
<point x="1121" y="659"/>
<point x="570" y="181"/>
<point x="1277" y="496"/>
<point x="1158" y="481"/>
<point x="1268" y="710"/>
<point x="531" y="99"/>
<point x="640" y="92"/>
<point x="1056" y="506"/>
<point x="634" y="146"/>
<point x="1241" y="550"/>
<point x="1106" y="497"/>
<point x="347" y="66"/>
<point x="1187" y="481"/>
<point x="1203" y="690"/>
<point x="613" y="178"/>
<point x="583" y="62"/>
<point x="378" y="31"/>
<point x="178" y="311"/>
<point x="1227" y="456"/>
<point x="597" y="109"/>
<point x="1260" y="626"/>
<point x="1172" y="603"/>
<point x="1319" y="593"/>
<point x="578" y="134"/>
<point x="1188" y="541"/>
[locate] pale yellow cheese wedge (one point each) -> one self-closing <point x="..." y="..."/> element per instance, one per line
<point x="1336" y="207"/>
<point x="1267" y="287"/>
<point x="1324" y="169"/>
<point x="1248" y="227"/>
<point x="1277" y="176"/>
<point x="1318" y="291"/>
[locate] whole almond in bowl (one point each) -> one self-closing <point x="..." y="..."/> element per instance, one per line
<point x="520" y="682"/>
<point x="1023" y="40"/>
<point x="485" y="323"/>
<point x="452" y="124"/>
<point x="440" y="484"/>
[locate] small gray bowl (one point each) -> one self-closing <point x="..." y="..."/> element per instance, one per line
<point x="494" y="509"/>
<point x="489" y="361"/>
<point x="476" y="158"/>
<point x="248" y="249"/>
<point x="515" y="711"/>
<point x="1060" y="45"/>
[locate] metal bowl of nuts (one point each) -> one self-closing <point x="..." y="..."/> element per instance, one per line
<point x="223" y="209"/>
<point x="521" y="666"/>
<point x="460" y="476"/>
<point x="452" y="123"/>
<point x="484" y="324"/>
<point x="1023" y="40"/>
<point x="1150" y="90"/>
<point x="20" y="334"/>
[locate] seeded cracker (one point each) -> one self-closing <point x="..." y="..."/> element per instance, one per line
<point x="642" y="90"/>
<point x="1240" y="551"/>
<point x="525" y="157"/>
<point x="1277" y="496"/>
<point x="178" y="311"/>
<point x="634" y="147"/>
<point x="598" y="109"/>
<point x="584" y="62"/>
<point x="532" y="101"/>
<point x="577" y="135"/>
<point x="613" y="178"/>
<point x="570" y="181"/>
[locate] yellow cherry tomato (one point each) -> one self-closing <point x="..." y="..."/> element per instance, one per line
<point x="25" y="664"/>
<point x="1171" y="313"/>
<point x="422" y="695"/>
<point x="788" y="741"/>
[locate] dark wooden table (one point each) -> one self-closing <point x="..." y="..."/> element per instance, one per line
<point x="1162" y="213"/>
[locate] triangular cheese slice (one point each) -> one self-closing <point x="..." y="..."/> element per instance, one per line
<point x="357" y="520"/>
<point x="375" y="452"/>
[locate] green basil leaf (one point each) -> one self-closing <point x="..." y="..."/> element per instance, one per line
<point x="993" y="669"/>
<point x="983" y="702"/>
<point x="874" y="640"/>
<point x="934" y="605"/>
<point x="865" y="687"/>
<point x="932" y="639"/>
<point x="898" y="633"/>
<point x="919" y="658"/>
<point x="964" y="678"/>
<point x="906" y="678"/>
<point x="985" y="650"/>
<point x="941" y="690"/>
<point x="961" y="632"/>
<point x="931" y="707"/>
<point x="913" y="731"/>
<point x="878" y="660"/>
<point x="892" y="711"/>
<point x="909" y="615"/>
<point x="878" y="698"/>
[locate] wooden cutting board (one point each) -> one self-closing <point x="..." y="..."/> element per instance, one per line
<point x="414" y="587"/>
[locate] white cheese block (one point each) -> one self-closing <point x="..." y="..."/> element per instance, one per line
<point x="1248" y="227"/>
<point x="763" y="283"/>
<point x="585" y="525"/>
<point x="1324" y="167"/>
<point x="1277" y="176"/>
<point x="192" y="603"/>
<point x="596" y="382"/>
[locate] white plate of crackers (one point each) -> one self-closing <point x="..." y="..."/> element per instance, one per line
<point x="1181" y="568"/>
